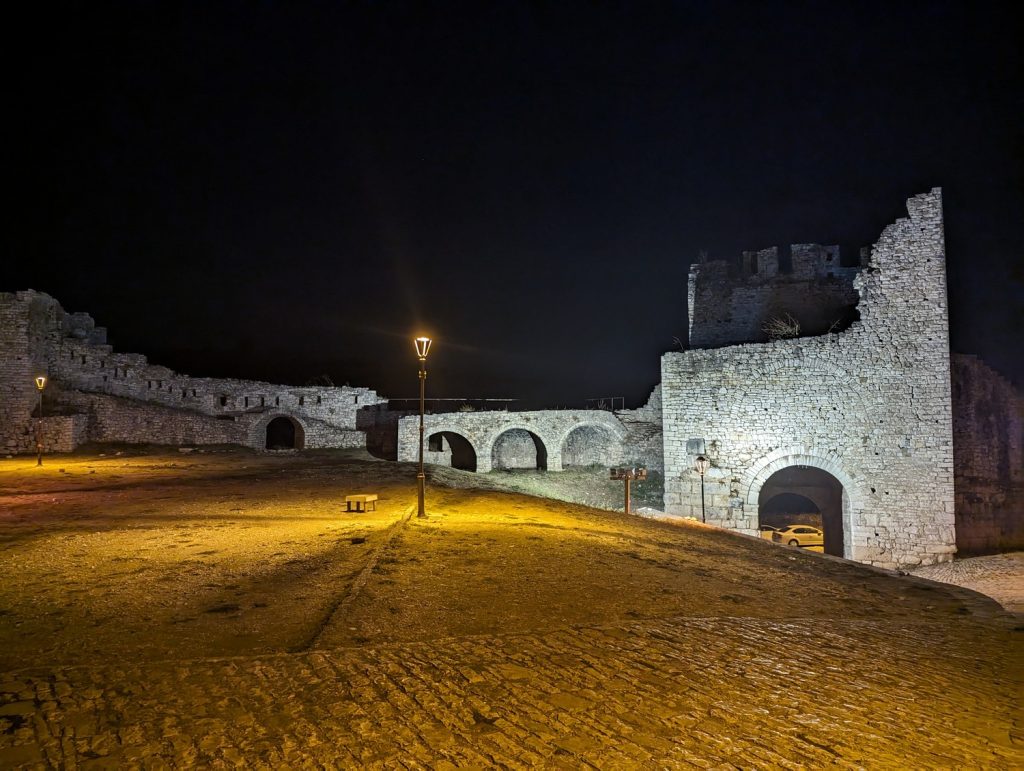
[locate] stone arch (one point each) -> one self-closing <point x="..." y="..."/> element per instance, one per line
<point x="260" y="437"/>
<point x="827" y="461"/>
<point x="805" y="495"/>
<point x="456" y="449"/>
<point x="518" y="447"/>
<point x="591" y="444"/>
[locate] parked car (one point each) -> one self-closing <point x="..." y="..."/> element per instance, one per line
<point x="767" y="531"/>
<point x="799" y="535"/>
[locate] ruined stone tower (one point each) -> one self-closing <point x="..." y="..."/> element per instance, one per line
<point x="868" y="406"/>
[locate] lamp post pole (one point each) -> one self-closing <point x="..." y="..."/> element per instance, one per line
<point x="422" y="347"/>
<point x="40" y="385"/>
<point x="701" y="466"/>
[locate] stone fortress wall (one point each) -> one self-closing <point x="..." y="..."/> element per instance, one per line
<point x="988" y="457"/>
<point x="863" y="399"/>
<point x="871" y="406"/>
<point x="731" y="302"/>
<point x="98" y="394"/>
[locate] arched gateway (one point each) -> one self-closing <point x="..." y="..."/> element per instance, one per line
<point x="777" y="480"/>
<point x="282" y="432"/>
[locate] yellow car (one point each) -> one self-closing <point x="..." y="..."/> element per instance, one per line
<point x="799" y="535"/>
<point x="767" y="531"/>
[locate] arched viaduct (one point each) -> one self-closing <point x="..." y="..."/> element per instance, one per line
<point x="545" y="439"/>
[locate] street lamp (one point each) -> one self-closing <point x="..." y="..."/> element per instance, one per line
<point x="701" y="466"/>
<point x="422" y="348"/>
<point x="40" y="385"/>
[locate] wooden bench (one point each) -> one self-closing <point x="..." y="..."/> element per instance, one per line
<point x="360" y="502"/>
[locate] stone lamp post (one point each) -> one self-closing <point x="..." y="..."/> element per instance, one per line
<point x="40" y="385"/>
<point x="422" y="348"/>
<point x="701" y="466"/>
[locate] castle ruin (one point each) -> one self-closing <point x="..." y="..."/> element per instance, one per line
<point x="856" y="412"/>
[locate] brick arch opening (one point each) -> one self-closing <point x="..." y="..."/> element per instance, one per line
<point x="284" y="433"/>
<point x="458" y="449"/>
<point x="519" y="448"/>
<point x="806" y="495"/>
<point x="589" y="445"/>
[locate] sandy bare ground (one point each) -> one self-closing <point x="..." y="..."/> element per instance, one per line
<point x="221" y="607"/>
<point x="225" y="553"/>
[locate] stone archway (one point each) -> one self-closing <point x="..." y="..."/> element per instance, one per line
<point x="804" y="495"/>
<point x="590" y="445"/>
<point x="449" y="448"/>
<point x="284" y="432"/>
<point x="518" y="448"/>
<point x="807" y="458"/>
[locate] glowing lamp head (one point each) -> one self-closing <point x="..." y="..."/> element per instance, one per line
<point x="701" y="464"/>
<point x="41" y="382"/>
<point x="422" y="347"/>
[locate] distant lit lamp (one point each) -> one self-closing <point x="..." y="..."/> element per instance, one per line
<point x="701" y="466"/>
<point x="422" y="348"/>
<point x="40" y="385"/>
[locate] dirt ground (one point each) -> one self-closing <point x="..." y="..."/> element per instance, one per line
<point x="164" y="555"/>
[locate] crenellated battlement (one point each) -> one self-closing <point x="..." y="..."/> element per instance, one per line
<point x="731" y="301"/>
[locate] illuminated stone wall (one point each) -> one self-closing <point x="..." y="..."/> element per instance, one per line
<point x="730" y="302"/>
<point x="870" y="405"/>
<point x="127" y="399"/>
<point x="988" y="447"/>
<point x="511" y="439"/>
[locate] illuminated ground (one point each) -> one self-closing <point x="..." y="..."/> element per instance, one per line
<point x="222" y="608"/>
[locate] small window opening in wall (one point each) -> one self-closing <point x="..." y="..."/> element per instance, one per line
<point x="103" y="364"/>
<point x="183" y="394"/>
<point x="223" y="401"/>
<point x="193" y="392"/>
<point x="159" y="383"/>
<point x="246" y="401"/>
<point x="319" y="400"/>
<point x="277" y="401"/>
<point x="149" y="383"/>
<point x="263" y="401"/>
<point x="302" y="400"/>
<point x="828" y="257"/>
<point x="83" y="360"/>
<point x="355" y="399"/>
<point x="104" y="378"/>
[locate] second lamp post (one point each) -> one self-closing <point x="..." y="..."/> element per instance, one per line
<point x="701" y="466"/>
<point x="422" y="348"/>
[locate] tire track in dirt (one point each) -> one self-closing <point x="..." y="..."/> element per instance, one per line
<point x="344" y="602"/>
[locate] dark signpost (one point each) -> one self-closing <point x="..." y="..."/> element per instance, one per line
<point x="627" y="475"/>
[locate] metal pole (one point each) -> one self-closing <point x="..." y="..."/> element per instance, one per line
<point x="420" y="478"/>
<point x="627" y="494"/>
<point x="39" y="430"/>
<point x="702" y="517"/>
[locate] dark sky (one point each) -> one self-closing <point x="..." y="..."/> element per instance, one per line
<point x="280" y="190"/>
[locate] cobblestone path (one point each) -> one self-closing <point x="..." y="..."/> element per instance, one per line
<point x="667" y="693"/>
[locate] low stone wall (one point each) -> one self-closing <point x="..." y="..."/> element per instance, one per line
<point x="521" y="439"/>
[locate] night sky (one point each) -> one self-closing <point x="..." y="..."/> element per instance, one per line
<point x="283" y="190"/>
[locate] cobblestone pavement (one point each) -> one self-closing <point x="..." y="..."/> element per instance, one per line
<point x="180" y="613"/>
<point x="734" y="692"/>
<point x="1000" y="576"/>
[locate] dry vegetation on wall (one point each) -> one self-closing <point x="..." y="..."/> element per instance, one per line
<point x="782" y="327"/>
